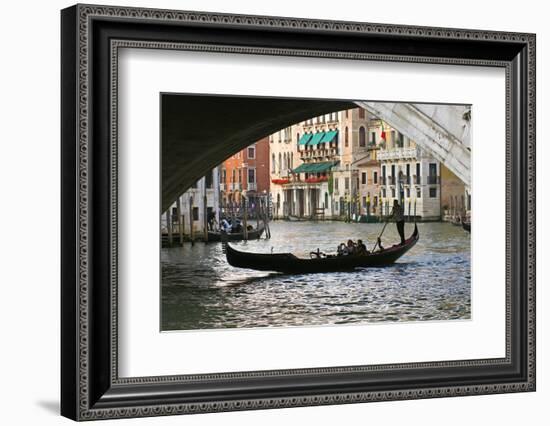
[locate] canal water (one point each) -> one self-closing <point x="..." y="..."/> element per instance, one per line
<point x="431" y="282"/>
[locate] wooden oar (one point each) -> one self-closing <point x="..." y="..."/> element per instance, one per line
<point x="376" y="243"/>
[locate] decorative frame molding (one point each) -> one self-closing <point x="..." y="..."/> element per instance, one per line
<point x="91" y="37"/>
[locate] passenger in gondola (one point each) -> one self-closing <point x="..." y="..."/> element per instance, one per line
<point x="351" y="248"/>
<point x="225" y="226"/>
<point x="236" y="227"/>
<point x="342" y="249"/>
<point x="361" y="248"/>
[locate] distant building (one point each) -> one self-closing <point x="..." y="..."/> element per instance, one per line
<point x="408" y="174"/>
<point x="246" y="173"/>
<point x="455" y="197"/>
<point x="349" y="163"/>
<point x="192" y="205"/>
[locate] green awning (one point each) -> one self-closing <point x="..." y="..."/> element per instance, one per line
<point x="304" y="139"/>
<point x="329" y="136"/>
<point x="316" y="138"/>
<point x="315" y="167"/>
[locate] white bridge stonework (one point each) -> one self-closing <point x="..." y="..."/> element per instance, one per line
<point x="442" y="130"/>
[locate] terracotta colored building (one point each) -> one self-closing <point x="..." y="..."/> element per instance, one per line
<point x="246" y="173"/>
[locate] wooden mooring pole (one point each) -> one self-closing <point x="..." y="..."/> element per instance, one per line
<point x="245" y="218"/>
<point x="180" y="221"/>
<point x="205" y="217"/>
<point x="191" y="230"/>
<point x="169" y="226"/>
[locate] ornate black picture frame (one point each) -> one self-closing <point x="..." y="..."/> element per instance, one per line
<point x="91" y="387"/>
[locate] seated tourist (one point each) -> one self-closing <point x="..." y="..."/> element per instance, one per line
<point x="225" y="226"/>
<point x="342" y="249"/>
<point x="361" y="247"/>
<point x="351" y="247"/>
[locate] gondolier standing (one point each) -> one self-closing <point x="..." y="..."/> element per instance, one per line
<point x="397" y="215"/>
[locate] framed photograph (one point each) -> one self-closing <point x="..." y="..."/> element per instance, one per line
<point x="263" y="212"/>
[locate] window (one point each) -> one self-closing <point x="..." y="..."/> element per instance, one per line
<point x="297" y="138"/>
<point x="251" y="175"/>
<point x="336" y="183"/>
<point x="399" y="140"/>
<point x="393" y="139"/>
<point x="393" y="192"/>
<point x="364" y="178"/>
<point x="326" y="201"/>
<point x="251" y="152"/>
<point x="272" y="163"/>
<point x="346" y="135"/>
<point x="375" y="177"/>
<point x="195" y="213"/>
<point x="364" y="201"/>
<point x="209" y="178"/>
<point x="233" y="175"/>
<point x="362" y="136"/>
<point x="361" y="113"/>
<point x="280" y="162"/>
<point x="373" y="138"/>
<point x="418" y="193"/>
<point x="383" y="192"/>
<point x="433" y="192"/>
<point x="346" y="183"/>
<point x="347" y="112"/>
<point x="408" y="190"/>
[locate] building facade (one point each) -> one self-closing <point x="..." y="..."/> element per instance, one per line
<point x="193" y="208"/>
<point x="246" y="174"/>
<point x="350" y="165"/>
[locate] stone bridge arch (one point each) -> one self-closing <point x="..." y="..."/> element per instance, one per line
<point x="442" y="130"/>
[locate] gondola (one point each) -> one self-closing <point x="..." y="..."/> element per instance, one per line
<point x="253" y="234"/>
<point x="289" y="263"/>
<point x="467" y="226"/>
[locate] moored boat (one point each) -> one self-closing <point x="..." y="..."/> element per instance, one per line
<point x="289" y="263"/>
<point x="253" y="234"/>
<point x="467" y="226"/>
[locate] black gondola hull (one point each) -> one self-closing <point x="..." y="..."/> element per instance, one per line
<point x="288" y="263"/>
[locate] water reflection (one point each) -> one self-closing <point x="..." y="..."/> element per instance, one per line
<point x="431" y="282"/>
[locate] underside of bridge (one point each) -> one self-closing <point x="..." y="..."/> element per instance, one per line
<point x="201" y="131"/>
<point x="442" y="130"/>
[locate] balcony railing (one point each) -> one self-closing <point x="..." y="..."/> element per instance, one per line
<point x="383" y="180"/>
<point x="432" y="179"/>
<point x="391" y="180"/>
<point x="398" y="153"/>
<point x="417" y="180"/>
<point x="235" y="186"/>
<point x="252" y="186"/>
<point x="222" y="186"/>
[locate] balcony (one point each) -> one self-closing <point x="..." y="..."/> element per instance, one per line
<point x="252" y="186"/>
<point x="383" y="180"/>
<point x="391" y="180"/>
<point x="417" y="180"/>
<point x="235" y="186"/>
<point x="432" y="179"/>
<point x="398" y="154"/>
<point x="222" y="186"/>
